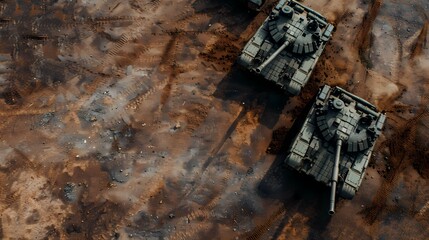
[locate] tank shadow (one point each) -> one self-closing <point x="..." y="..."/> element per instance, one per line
<point x="254" y="94"/>
<point x="298" y="193"/>
<point x="232" y="14"/>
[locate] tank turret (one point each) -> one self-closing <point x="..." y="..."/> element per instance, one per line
<point x="287" y="46"/>
<point x="335" y="142"/>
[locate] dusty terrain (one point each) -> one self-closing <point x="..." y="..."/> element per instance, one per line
<point x="128" y="119"/>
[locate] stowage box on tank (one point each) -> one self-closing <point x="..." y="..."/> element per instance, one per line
<point x="286" y="47"/>
<point x="335" y="142"/>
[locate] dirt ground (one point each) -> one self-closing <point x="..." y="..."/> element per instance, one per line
<point x="129" y="119"/>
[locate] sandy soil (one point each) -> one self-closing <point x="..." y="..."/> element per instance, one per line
<point x="128" y="119"/>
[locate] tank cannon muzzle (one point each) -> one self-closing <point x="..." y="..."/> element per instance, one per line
<point x="271" y="58"/>
<point x="334" y="179"/>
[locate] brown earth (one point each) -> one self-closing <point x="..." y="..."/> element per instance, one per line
<point x="129" y="119"/>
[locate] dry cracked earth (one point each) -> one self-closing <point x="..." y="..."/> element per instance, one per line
<point x="129" y="119"/>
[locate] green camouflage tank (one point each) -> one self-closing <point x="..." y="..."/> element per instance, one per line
<point x="286" y="48"/>
<point x="335" y="142"/>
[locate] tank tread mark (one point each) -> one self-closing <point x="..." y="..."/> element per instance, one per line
<point x="225" y="179"/>
<point x="215" y="151"/>
<point x="96" y="22"/>
<point x="154" y="4"/>
<point x="75" y="67"/>
<point x="180" y="31"/>
<point x="95" y="84"/>
<point x="191" y="67"/>
<point x="181" y="23"/>
<point x="55" y="26"/>
<point x="151" y="60"/>
<point x="150" y="6"/>
<point x="134" y="103"/>
<point x="153" y="189"/>
<point x="138" y="94"/>
<point x="420" y="214"/>
<point x="410" y="127"/>
<point x="101" y="21"/>
<point x="11" y="198"/>
<point x="187" y="234"/>
<point x="132" y="91"/>
<point x="119" y="116"/>
<point x="260" y="230"/>
<point x="26" y="112"/>
<point x="397" y="153"/>
<point x="202" y="213"/>
<point x="184" y="14"/>
<point x="117" y="47"/>
<point x="228" y="133"/>
<point x="140" y="54"/>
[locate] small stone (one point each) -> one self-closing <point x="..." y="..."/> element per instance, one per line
<point x="177" y="126"/>
<point x="160" y="202"/>
<point x="171" y="216"/>
<point x="362" y="206"/>
<point x="396" y="199"/>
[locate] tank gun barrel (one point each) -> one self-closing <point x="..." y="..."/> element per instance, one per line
<point x="271" y="58"/>
<point x="334" y="179"/>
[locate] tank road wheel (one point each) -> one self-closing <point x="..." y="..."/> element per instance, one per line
<point x="347" y="191"/>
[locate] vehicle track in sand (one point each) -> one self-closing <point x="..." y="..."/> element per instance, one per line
<point x="401" y="145"/>
<point x="260" y="230"/>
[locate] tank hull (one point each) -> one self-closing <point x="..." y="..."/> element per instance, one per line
<point x="336" y="115"/>
<point x="307" y="32"/>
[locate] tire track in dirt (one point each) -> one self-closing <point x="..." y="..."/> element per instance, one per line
<point x="228" y="133"/>
<point x="168" y="64"/>
<point x="418" y="46"/>
<point x="198" y="215"/>
<point x="137" y="93"/>
<point x="260" y="230"/>
<point x="400" y="145"/>
<point x="206" y="212"/>
<point x="134" y="103"/>
<point x="214" y="152"/>
<point x="363" y="37"/>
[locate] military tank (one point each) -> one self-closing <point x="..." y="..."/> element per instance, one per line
<point x="287" y="46"/>
<point x="254" y="4"/>
<point x="335" y="142"/>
